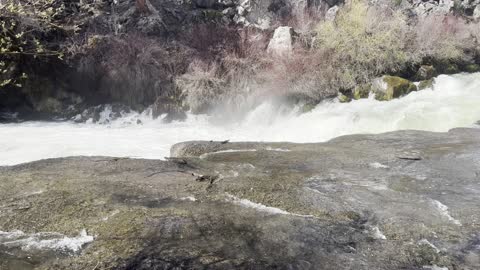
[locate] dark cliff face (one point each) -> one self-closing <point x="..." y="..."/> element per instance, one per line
<point x="130" y="52"/>
<point x="125" y="52"/>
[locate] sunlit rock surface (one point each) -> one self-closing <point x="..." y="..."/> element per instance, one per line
<point x="281" y="43"/>
<point x="400" y="200"/>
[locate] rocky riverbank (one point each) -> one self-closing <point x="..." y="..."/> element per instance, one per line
<point x="195" y="55"/>
<point x="400" y="200"/>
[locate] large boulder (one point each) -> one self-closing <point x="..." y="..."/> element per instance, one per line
<point x="331" y="13"/>
<point x="281" y="43"/>
<point x="476" y="12"/>
<point x="390" y="87"/>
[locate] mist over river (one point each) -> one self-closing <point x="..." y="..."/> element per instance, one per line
<point x="453" y="102"/>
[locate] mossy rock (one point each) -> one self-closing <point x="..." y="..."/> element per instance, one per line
<point x="362" y="91"/>
<point x="471" y="68"/>
<point x="307" y="107"/>
<point x="390" y="87"/>
<point x="425" y="72"/>
<point x="451" y="68"/>
<point x="426" y="84"/>
<point x="444" y="66"/>
<point x="343" y="98"/>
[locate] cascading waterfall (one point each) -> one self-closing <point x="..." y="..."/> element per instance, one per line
<point x="453" y="102"/>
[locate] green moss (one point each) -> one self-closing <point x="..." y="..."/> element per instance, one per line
<point x="423" y="254"/>
<point x="425" y="84"/>
<point x="471" y="68"/>
<point x="307" y="108"/>
<point x="343" y="98"/>
<point x="451" y="68"/>
<point x="362" y="91"/>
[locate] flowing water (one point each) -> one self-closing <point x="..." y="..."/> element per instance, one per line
<point x="453" y="102"/>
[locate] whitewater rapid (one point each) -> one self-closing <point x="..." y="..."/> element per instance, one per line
<point x="453" y="102"/>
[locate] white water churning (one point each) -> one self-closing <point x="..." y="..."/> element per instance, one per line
<point x="454" y="102"/>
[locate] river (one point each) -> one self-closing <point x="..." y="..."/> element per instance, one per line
<point x="453" y="102"/>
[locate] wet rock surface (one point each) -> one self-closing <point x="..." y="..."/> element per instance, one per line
<point x="400" y="200"/>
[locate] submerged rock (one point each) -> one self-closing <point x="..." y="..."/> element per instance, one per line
<point x="400" y="200"/>
<point x="102" y="114"/>
<point x="426" y="84"/>
<point x="343" y="98"/>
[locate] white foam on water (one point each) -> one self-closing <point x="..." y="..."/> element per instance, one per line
<point x="260" y="207"/>
<point x="44" y="241"/>
<point x="443" y="209"/>
<point x="377" y="165"/>
<point x="277" y="149"/>
<point x="256" y="206"/>
<point x="377" y="234"/>
<point x="10" y="235"/>
<point x="453" y="102"/>
<point x="188" y="198"/>
<point x="434" y="267"/>
<point x="428" y="243"/>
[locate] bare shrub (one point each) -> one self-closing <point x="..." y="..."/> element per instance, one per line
<point x="474" y="31"/>
<point x="240" y="67"/>
<point x="363" y="42"/>
<point x="229" y="78"/>
<point x="211" y="39"/>
<point x="201" y="86"/>
<point x="305" y="19"/>
<point x="131" y="69"/>
<point x="441" y="37"/>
